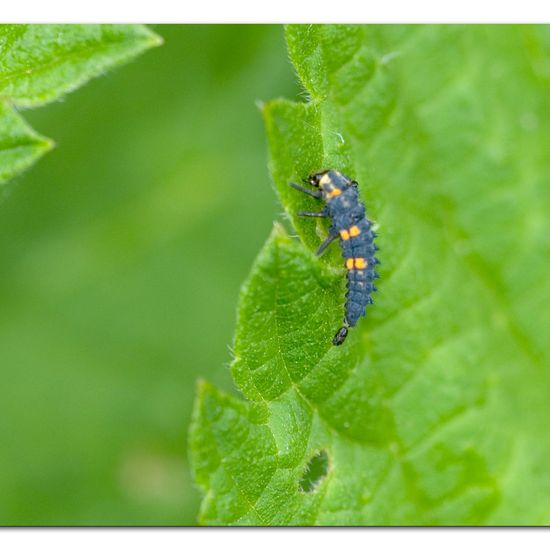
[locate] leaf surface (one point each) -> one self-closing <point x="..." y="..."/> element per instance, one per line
<point x="435" y="411"/>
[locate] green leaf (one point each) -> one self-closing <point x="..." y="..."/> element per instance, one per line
<point x="40" y="63"/>
<point x="20" y="145"/>
<point x="435" y="410"/>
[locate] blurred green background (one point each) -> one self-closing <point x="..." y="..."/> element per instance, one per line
<point x="122" y="252"/>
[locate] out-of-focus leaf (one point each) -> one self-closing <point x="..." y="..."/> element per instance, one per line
<point x="40" y="63"/>
<point x="20" y="145"/>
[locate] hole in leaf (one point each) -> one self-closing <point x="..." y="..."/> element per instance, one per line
<point x="315" y="471"/>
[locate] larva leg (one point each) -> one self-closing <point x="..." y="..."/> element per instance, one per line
<point x="312" y="193"/>
<point x="322" y="214"/>
<point x="326" y="243"/>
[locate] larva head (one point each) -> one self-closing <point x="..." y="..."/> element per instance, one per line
<point x="331" y="182"/>
<point x="315" y="179"/>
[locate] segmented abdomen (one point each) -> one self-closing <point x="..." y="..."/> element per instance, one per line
<point x="359" y="251"/>
<point x="357" y="242"/>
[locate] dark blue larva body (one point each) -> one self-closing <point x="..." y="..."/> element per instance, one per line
<point x="349" y="223"/>
<point x="347" y="211"/>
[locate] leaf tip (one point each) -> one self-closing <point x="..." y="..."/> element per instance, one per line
<point x="153" y="39"/>
<point x="278" y="231"/>
<point x="203" y="387"/>
<point x="45" y="144"/>
<point x="278" y="237"/>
